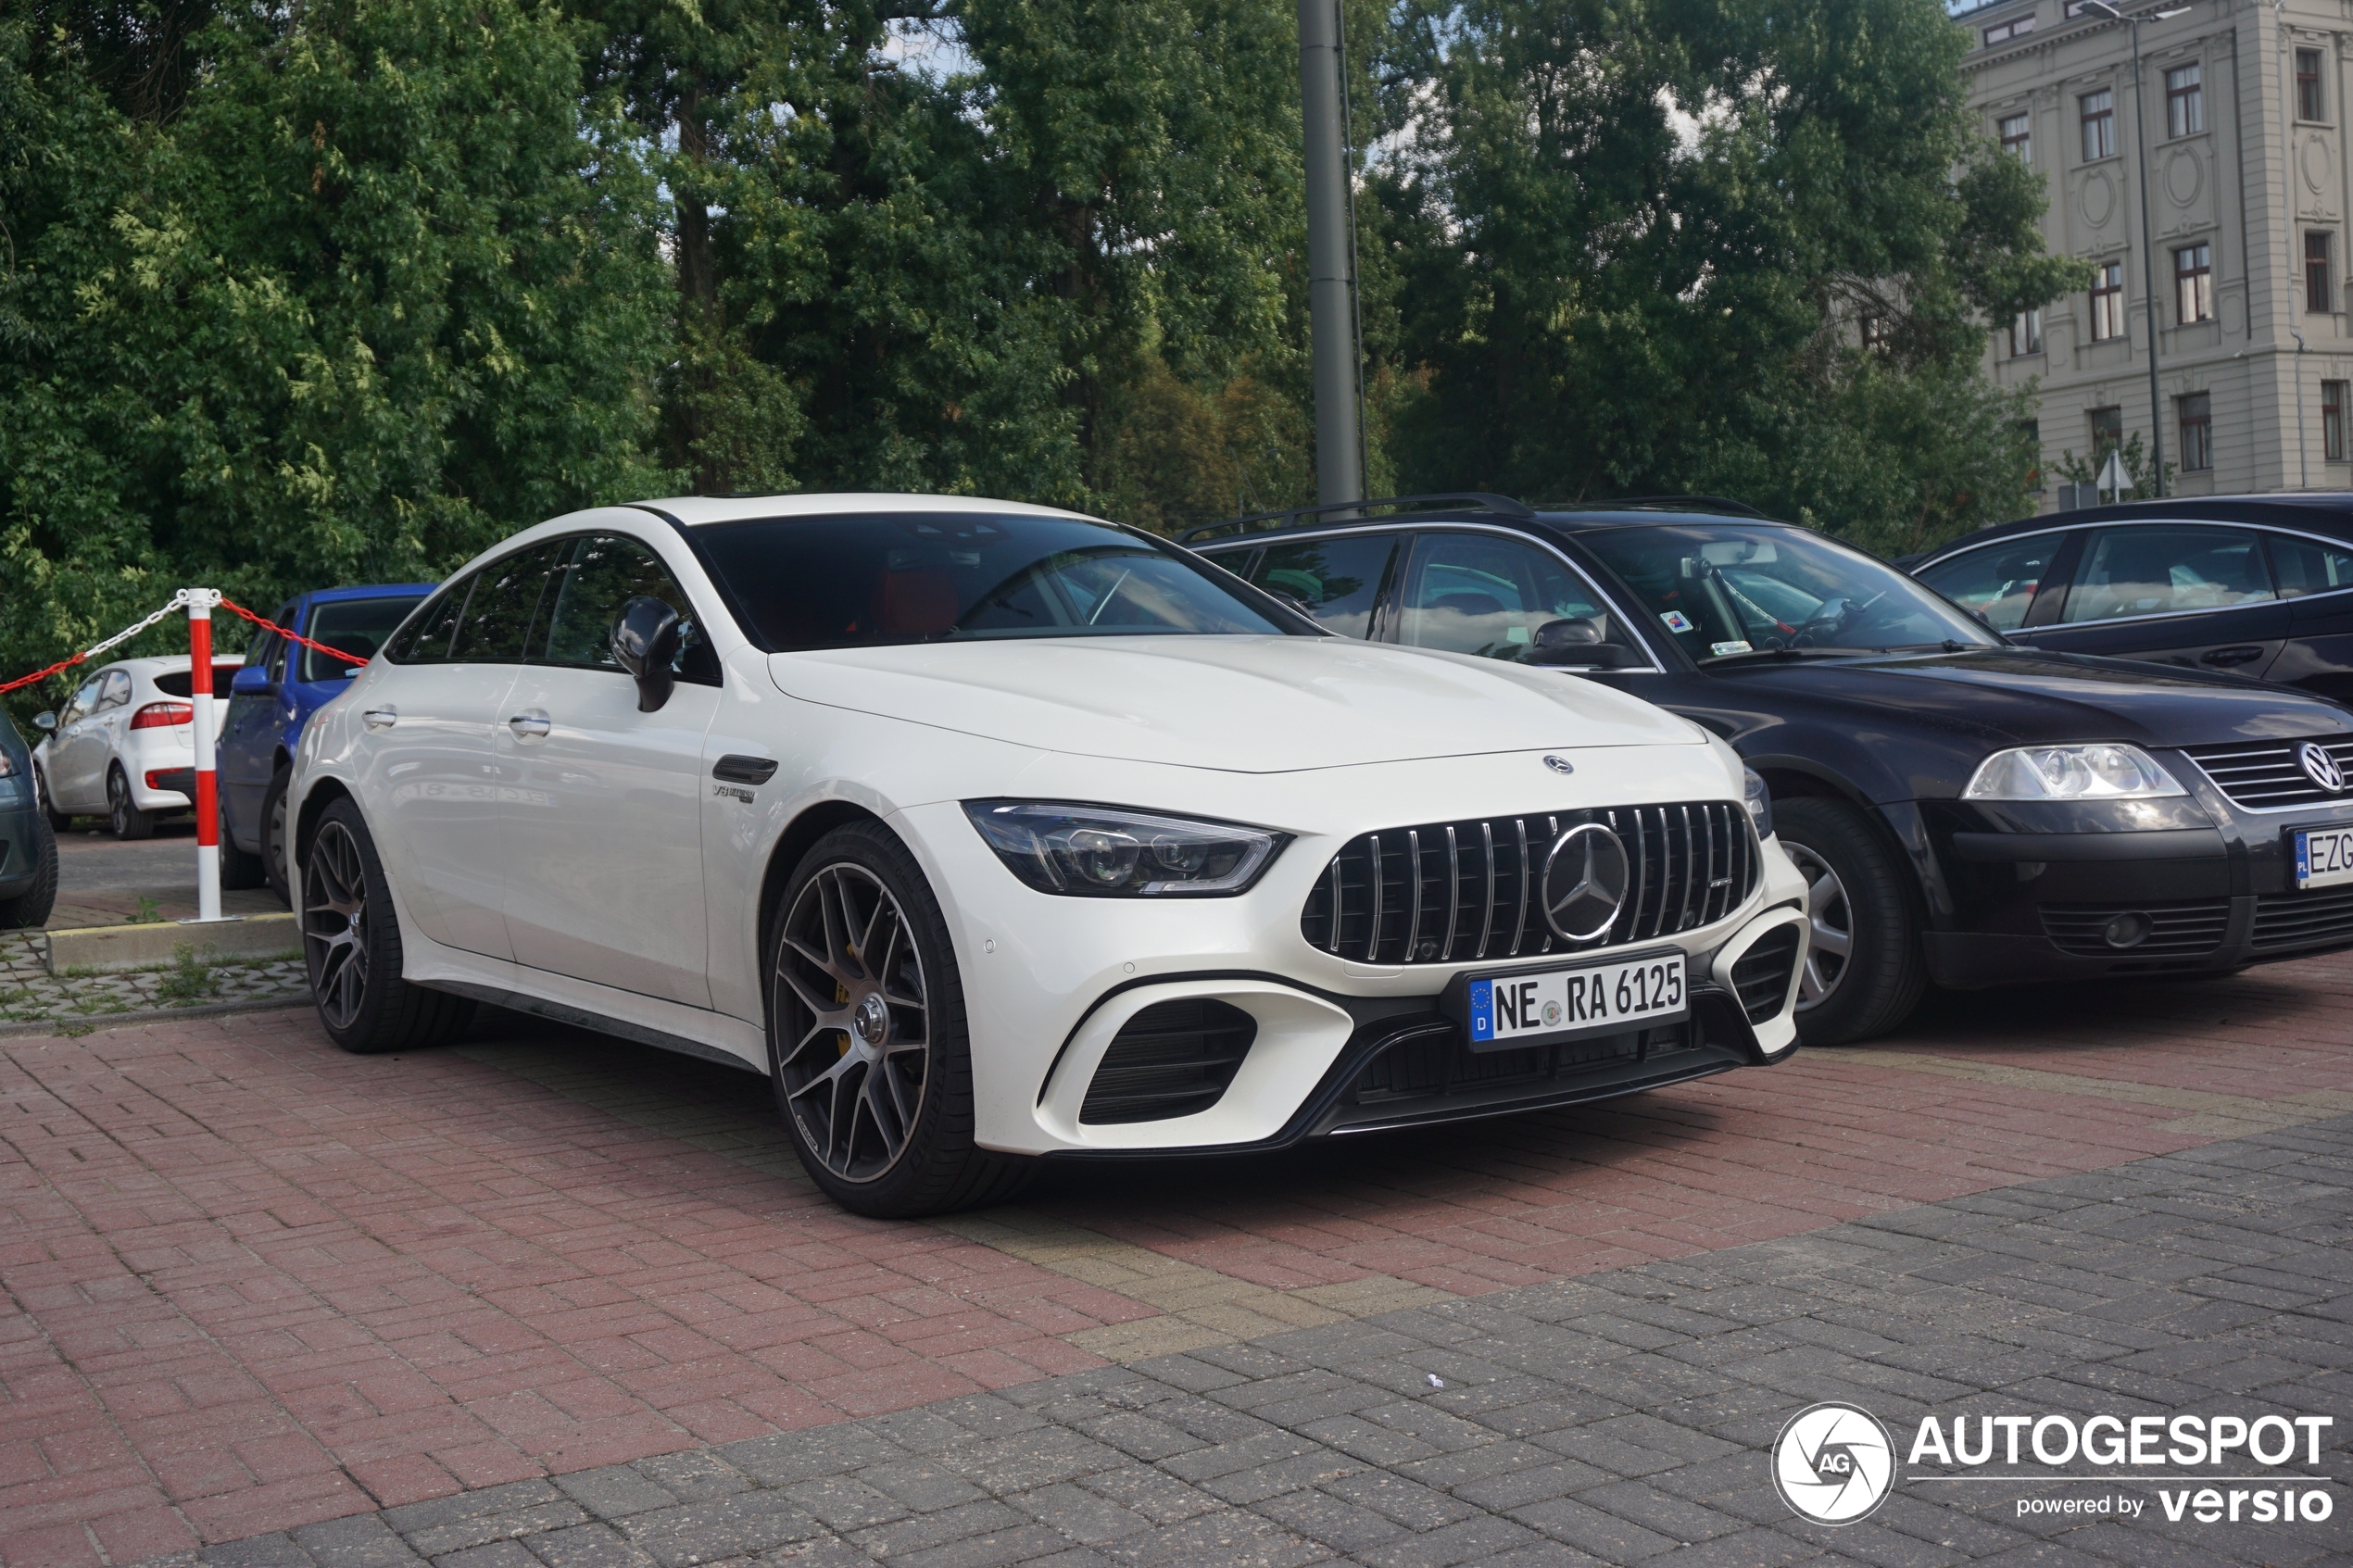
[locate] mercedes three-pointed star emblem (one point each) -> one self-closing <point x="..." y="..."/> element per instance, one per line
<point x="1586" y="875"/>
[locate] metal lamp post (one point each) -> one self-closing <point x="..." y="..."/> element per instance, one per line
<point x="2149" y="242"/>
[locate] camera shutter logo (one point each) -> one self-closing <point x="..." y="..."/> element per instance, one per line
<point x="1833" y="1463"/>
<point x="2320" y="768"/>
<point x="1586" y="875"/>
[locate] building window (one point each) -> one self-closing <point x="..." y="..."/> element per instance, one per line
<point x="2194" y="282"/>
<point x="2002" y="32"/>
<point x="2018" y="136"/>
<point x="2107" y="433"/>
<point x="2309" y="102"/>
<point x="2333" y="421"/>
<point x="1877" y="332"/>
<point x="2317" y="291"/>
<point x="2197" y="431"/>
<point x="2030" y="435"/>
<point x="2026" y="333"/>
<point x="2107" y="301"/>
<point x="2185" y="102"/>
<point x="2099" y="124"/>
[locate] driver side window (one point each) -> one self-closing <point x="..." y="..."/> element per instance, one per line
<point x="1479" y="593"/>
<point x="86" y="697"/>
<point x="1997" y="583"/>
<point x="594" y="576"/>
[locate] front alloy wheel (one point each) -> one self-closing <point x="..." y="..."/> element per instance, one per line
<point x="1833" y="938"/>
<point x="351" y="947"/>
<point x="853" y="1080"/>
<point x="867" y="1047"/>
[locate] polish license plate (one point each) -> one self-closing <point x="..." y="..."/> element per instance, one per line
<point x="1532" y="1007"/>
<point x="2324" y="857"/>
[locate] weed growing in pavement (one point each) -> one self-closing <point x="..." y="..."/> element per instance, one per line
<point x="190" y="980"/>
<point x="150" y="912"/>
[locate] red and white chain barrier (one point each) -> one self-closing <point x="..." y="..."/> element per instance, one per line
<point x="199" y="604"/>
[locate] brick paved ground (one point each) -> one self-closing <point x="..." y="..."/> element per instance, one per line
<point x="253" y="1285"/>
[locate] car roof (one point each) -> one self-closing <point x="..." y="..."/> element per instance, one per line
<point x="1499" y="511"/>
<point x="2329" y="513"/>
<point x="159" y="664"/>
<point x="367" y="591"/>
<point x="696" y="511"/>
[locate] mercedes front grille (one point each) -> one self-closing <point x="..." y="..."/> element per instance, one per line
<point x="1453" y="892"/>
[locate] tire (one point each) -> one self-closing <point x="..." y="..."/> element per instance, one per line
<point x="351" y="947"/>
<point x="1864" y="916"/>
<point x="240" y="868"/>
<point x="274" y="836"/>
<point x="29" y="908"/>
<point x="122" y="812"/>
<point x="59" y="821"/>
<point x="874" y="1077"/>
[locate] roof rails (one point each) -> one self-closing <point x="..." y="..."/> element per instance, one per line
<point x="1664" y="503"/>
<point x="1482" y="499"/>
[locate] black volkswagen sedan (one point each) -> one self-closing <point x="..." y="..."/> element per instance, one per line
<point x="2257" y="586"/>
<point x="1968" y="810"/>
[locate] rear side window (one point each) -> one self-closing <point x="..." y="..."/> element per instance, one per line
<point x="116" y="692"/>
<point x="2303" y="566"/>
<point x="1338" y="580"/>
<point x="426" y="638"/>
<point x="2167" y="569"/>
<point x="1997" y="583"/>
<point x="352" y="626"/>
<point x="183" y="683"/>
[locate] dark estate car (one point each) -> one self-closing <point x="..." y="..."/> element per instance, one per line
<point x="2257" y="586"/>
<point x="1968" y="811"/>
<point x="28" y="847"/>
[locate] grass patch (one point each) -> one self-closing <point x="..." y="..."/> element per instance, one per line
<point x="150" y="913"/>
<point x="190" y="980"/>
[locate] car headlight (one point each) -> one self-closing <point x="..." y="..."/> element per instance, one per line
<point x="1759" y="801"/>
<point x="1102" y="852"/>
<point x="2070" y="773"/>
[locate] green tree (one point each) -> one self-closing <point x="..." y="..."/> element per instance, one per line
<point x="369" y="286"/>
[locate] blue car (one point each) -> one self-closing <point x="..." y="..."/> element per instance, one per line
<point x="282" y="684"/>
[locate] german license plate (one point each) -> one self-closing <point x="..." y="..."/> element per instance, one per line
<point x="1530" y="1007"/>
<point x="2323" y="857"/>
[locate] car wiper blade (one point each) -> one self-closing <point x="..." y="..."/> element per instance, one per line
<point x="1789" y="653"/>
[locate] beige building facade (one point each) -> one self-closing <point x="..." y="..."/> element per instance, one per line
<point x="2249" y="184"/>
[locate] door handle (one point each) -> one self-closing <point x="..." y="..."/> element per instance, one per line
<point x="382" y="718"/>
<point x="2226" y="657"/>
<point x="530" y="725"/>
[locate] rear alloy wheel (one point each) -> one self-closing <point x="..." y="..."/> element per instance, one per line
<point x="1863" y="971"/>
<point x="274" y="836"/>
<point x="240" y="868"/>
<point x="122" y="812"/>
<point x="59" y="821"/>
<point x="867" y="1045"/>
<point x="351" y="946"/>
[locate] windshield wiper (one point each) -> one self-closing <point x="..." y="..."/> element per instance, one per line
<point x="1789" y="653"/>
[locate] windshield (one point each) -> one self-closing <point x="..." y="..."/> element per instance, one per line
<point x="885" y="578"/>
<point x="353" y="626"/>
<point x="1723" y="589"/>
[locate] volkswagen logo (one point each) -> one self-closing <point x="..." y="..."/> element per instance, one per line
<point x="1586" y="874"/>
<point x="2319" y="766"/>
<point x="1560" y="764"/>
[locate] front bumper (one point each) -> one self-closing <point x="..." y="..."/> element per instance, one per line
<point x="2187" y="885"/>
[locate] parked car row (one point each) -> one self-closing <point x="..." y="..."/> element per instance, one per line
<point x="994" y="835"/>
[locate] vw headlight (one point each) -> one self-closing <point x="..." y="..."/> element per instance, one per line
<point x="1102" y="852"/>
<point x="2070" y="773"/>
<point x="1759" y="801"/>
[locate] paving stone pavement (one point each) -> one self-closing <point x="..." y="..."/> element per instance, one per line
<point x="31" y="996"/>
<point x="1619" y="1417"/>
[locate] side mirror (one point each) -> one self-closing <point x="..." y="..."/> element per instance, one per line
<point x="1576" y="632"/>
<point x="249" y="678"/>
<point x="645" y="639"/>
<point x="1577" y="641"/>
<point x="44" y="721"/>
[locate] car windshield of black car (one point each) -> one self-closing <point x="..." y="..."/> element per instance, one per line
<point x="856" y="580"/>
<point x="1726" y="590"/>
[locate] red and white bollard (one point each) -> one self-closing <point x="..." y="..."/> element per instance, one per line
<point x="200" y="606"/>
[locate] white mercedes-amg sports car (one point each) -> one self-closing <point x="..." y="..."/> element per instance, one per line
<point x="990" y="832"/>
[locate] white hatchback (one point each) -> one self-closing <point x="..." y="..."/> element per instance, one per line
<point x="988" y="832"/>
<point x="124" y="744"/>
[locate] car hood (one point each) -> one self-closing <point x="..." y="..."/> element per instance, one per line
<point x="1255" y="705"/>
<point x="2026" y="696"/>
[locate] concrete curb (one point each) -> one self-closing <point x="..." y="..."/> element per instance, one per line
<point x="91" y="1022"/>
<point x="146" y="945"/>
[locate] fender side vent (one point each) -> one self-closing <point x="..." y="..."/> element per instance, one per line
<point x="1173" y="1058"/>
<point x="1761" y="978"/>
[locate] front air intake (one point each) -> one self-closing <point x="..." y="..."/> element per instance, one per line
<point x="1448" y="892"/>
<point x="1761" y="976"/>
<point x="1173" y="1058"/>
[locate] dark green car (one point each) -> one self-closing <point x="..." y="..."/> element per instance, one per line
<point x="28" y="848"/>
